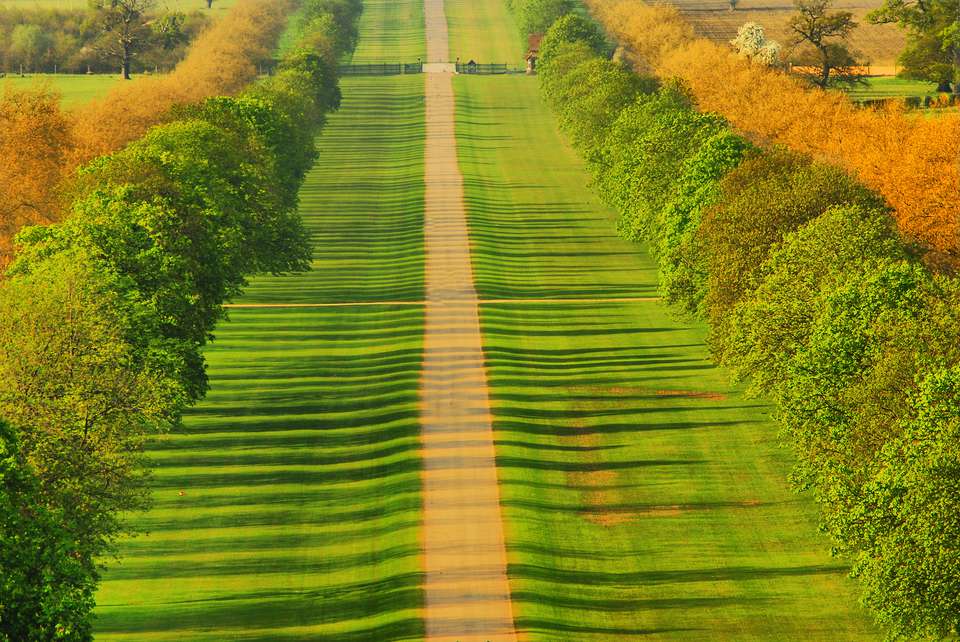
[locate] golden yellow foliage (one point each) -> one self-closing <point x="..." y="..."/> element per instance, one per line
<point x="221" y="61"/>
<point x="34" y="140"/>
<point x="912" y="161"/>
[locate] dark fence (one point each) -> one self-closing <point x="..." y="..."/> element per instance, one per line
<point x="914" y="102"/>
<point x="477" y="68"/>
<point x="380" y="69"/>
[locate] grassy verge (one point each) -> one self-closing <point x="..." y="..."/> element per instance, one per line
<point x="363" y="202"/>
<point x="643" y="496"/>
<point x="75" y="89"/>
<point x="299" y="516"/>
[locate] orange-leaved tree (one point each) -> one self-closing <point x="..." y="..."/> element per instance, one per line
<point x="35" y="137"/>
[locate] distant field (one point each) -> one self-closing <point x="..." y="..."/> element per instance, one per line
<point x="878" y="44"/>
<point x="172" y="5"/>
<point x="76" y="89"/>
<point x="893" y="88"/>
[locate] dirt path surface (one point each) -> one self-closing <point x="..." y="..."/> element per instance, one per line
<point x="467" y="593"/>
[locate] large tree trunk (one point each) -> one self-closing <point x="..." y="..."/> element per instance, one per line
<point x="209" y="4"/>
<point x="825" y="74"/>
<point x="126" y="62"/>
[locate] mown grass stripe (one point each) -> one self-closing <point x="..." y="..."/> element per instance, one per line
<point x="288" y="504"/>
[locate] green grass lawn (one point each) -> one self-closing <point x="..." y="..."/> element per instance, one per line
<point x="644" y="497"/>
<point x="889" y="87"/>
<point x="300" y="517"/>
<point x="75" y="89"/>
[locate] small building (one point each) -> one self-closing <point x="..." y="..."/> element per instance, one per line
<point x="533" y="52"/>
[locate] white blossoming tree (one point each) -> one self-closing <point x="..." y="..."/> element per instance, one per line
<point x="751" y="42"/>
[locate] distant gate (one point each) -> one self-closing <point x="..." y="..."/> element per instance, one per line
<point x="481" y="68"/>
<point x="380" y="69"/>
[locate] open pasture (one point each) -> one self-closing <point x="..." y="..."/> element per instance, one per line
<point x="75" y="89"/>
<point x="879" y="45"/>
<point x="219" y="6"/>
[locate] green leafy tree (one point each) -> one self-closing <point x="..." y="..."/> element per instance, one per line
<point x="536" y="16"/>
<point x="642" y="156"/>
<point x="764" y="199"/>
<point x="909" y="562"/>
<point x="28" y="45"/>
<point x="683" y="273"/>
<point x="766" y="329"/>
<point x="47" y="585"/>
<point x="185" y="214"/>
<point x="933" y="38"/>
<point x="80" y="367"/>
<point x="288" y="149"/>
<point x="590" y="96"/>
<point x="573" y="28"/>
<point x="128" y="27"/>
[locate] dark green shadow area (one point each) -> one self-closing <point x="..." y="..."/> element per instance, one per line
<point x="644" y="497"/>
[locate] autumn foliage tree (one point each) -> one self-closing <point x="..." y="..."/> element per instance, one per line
<point x="35" y="139"/>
